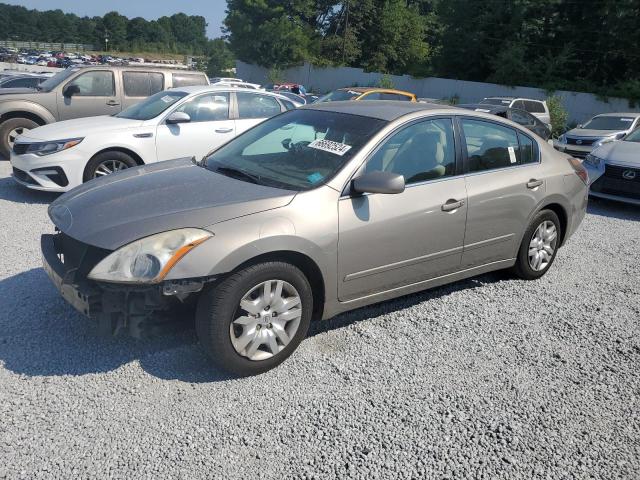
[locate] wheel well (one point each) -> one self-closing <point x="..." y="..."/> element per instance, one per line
<point x="132" y="154"/>
<point x="18" y="114"/>
<point x="306" y="265"/>
<point x="562" y="216"/>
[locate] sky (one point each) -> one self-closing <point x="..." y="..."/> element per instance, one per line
<point x="212" y="10"/>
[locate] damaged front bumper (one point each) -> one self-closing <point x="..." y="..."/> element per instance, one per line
<point x="137" y="310"/>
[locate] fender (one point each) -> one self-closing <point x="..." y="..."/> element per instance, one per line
<point x="11" y="106"/>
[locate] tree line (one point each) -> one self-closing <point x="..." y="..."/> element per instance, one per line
<point x="585" y="45"/>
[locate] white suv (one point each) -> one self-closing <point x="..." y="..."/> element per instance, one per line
<point x="537" y="108"/>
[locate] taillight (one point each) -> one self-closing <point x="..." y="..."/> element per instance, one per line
<point x="580" y="170"/>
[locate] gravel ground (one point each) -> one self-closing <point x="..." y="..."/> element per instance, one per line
<point x="487" y="378"/>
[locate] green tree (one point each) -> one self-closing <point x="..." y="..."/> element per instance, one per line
<point x="220" y="58"/>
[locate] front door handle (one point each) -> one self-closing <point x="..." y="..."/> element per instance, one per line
<point x="533" y="183"/>
<point x="223" y="130"/>
<point x="452" y="205"/>
<point x="113" y="103"/>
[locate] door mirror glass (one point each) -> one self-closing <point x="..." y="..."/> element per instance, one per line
<point x="378" y="182"/>
<point x="178" y="117"/>
<point x="71" y="90"/>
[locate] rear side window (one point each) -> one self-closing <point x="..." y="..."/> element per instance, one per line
<point x="534" y="107"/>
<point x="528" y="151"/>
<point x="252" y="105"/>
<point x="489" y="145"/>
<point x="142" y="84"/>
<point x="188" y="79"/>
<point x="518" y="104"/>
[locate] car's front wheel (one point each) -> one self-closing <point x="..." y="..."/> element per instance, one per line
<point x="251" y="321"/>
<point x="12" y="129"/>
<point x="106" y="163"/>
<point x="539" y="246"/>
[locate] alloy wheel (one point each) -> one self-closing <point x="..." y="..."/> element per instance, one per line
<point x="15" y="133"/>
<point x="109" y="166"/>
<point x="266" y="320"/>
<point x="542" y="246"/>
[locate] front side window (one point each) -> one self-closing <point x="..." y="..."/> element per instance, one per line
<point x="251" y="105"/>
<point x="489" y="146"/>
<point x="422" y="151"/>
<point x="298" y="150"/>
<point x="142" y="84"/>
<point x="152" y="106"/>
<point x="207" y="108"/>
<point x="95" y="84"/>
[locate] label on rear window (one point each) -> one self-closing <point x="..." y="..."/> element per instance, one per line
<point x="336" y="148"/>
<point x="512" y="155"/>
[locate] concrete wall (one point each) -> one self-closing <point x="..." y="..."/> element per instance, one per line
<point x="580" y="106"/>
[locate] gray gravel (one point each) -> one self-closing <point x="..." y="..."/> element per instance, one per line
<point x="487" y="378"/>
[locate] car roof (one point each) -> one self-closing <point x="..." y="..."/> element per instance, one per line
<point x="486" y="107"/>
<point x="224" y="88"/>
<point x="619" y="114"/>
<point x="382" y="109"/>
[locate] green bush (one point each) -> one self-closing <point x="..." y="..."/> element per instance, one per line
<point x="559" y="116"/>
<point x="386" y="82"/>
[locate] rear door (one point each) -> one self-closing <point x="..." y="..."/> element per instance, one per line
<point x="98" y="94"/>
<point x="210" y="127"/>
<point x="254" y="108"/>
<point x="504" y="187"/>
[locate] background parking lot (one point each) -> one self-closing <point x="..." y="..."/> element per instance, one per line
<point x="486" y="378"/>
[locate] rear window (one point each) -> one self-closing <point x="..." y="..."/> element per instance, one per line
<point x="188" y="79"/>
<point x="534" y="107"/>
<point x="142" y="84"/>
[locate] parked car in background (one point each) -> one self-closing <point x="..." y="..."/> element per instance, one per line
<point x="83" y="92"/>
<point x="298" y="100"/>
<point x="614" y="169"/>
<point x="213" y="80"/>
<point x="237" y="84"/>
<point x="598" y="131"/>
<point x="367" y="93"/>
<point x="537" y="108"/>
<point x="22" y="81"/>
<point x="312" y="213"/>
<point x="521" y="117"/>
<point x="181" y="122"/>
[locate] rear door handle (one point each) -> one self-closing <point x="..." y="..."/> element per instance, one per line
<point x="112" y="103"/>
<point x="224" y="130"/>
<point x="452" y="205"/>
<point x="533" y="183"/>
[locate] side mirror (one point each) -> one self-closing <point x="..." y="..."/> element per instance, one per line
<point x="178" y="117"/>
<point x="70" y="90"/>
<point x="378" y="182"/>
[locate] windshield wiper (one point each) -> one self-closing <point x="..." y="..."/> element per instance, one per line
<point x="239" y="174"/>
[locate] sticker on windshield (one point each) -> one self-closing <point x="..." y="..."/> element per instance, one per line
<point x="315" y="177"/>
<point x="336" y="148"/>
<point x="512" y="155"/>
<point x="167" y="99"/>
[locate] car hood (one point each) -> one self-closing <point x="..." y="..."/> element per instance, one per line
<point x="119" y="208"/>
<point x="585" y="132"/>
<point x="620" y="153"/>
<point x="80" y="127"/>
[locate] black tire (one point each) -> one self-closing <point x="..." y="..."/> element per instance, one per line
<point x="219" y="303"/>
<point x="9" y="126"/>
<point x="523" y="268"/>
<point x="112" y="155"/>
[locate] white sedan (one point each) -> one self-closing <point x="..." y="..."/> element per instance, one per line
<point x="183" y="122"/>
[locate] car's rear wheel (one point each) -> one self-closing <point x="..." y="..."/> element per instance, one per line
<point x="539" y="246"/>
<point x="12" y="129"/>
<point x="251" y="321"/>
<point x="106" y="163"/>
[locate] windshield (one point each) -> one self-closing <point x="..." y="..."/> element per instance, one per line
<point x="633" y="136"/>
<point x="495" y="101"/>
<point x="609" y="123"/>
<point x="56" y="80"/>
<point x="298" y="150"/>
<point x="338" y="95"/>
<point x="152" y="106"/>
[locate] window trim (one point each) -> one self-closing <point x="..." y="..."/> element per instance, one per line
<point x="517" y="131"/>
<point x="346" y="189"/>
<point x="149" y="72"/>
<point x="84" y="72"/>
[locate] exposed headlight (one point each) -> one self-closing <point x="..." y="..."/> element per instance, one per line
<point x="593" y="160"/>
<point x="47" y="148"/>
<point x="149" y="259"/>
<point x="604" y="140"/>
<point x="562" y="138"/>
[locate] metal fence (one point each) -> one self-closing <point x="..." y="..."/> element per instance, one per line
<point x="70" y="47"/>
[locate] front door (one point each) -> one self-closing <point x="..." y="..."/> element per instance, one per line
<point x="390" y="241"/>
<point x="209" y="128"/>
<point x="96" y="94"/>
<point x="503" y="186"/>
